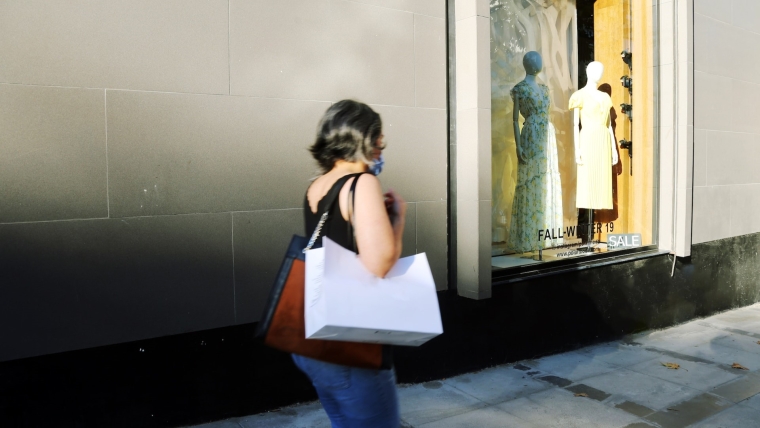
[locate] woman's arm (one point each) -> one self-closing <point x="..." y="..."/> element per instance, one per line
<point x="378" y="234"/>
<point x="614" y="146"/>
<point x="395" y="206"/>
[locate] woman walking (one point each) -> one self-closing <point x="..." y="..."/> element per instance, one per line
<point x="348" y="151"/>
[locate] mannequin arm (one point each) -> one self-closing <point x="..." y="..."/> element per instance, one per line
<point x="516" y="125"/>
<point x="614" y="146"/>
<point x="577" y="135"/>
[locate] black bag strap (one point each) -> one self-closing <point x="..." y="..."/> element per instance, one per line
<point x="329" y="200"/>
<point x="350" y="207"/>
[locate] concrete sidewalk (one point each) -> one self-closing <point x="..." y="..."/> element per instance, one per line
<point x="616" y="384"/>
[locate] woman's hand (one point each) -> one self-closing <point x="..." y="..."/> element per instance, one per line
<point x="395" y="205"/>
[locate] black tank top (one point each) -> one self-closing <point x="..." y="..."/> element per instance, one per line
<point x="335" y="228"/>
<point x="340" y="231"/>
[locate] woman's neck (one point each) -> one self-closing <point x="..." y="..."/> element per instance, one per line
<point x="591" y="84"/>
<point x="342" y="167"/>
<point x="530" y="78"/>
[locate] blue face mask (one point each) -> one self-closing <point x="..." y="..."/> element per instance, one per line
<point x="377" y="168"/>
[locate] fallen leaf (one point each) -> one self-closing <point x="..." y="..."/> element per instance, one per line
<point x="758" y="342"/>
<point x="738" y="366"/>
<point x="581" y="394"/>
<point x="672" y="366"/>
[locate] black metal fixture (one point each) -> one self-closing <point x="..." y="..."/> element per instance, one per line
<point x="627" y="110"/>
<point x="627" y="58"/>
<point x="627" y="82"/>
<point x="628" y="145"/>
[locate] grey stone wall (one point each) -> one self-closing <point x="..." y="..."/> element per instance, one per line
<point x="726" y="125"/>
<point x="153" y="153"/>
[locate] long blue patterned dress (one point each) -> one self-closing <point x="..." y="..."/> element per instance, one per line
<point x="537" y="206"/>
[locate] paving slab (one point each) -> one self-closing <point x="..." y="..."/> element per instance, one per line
<point x="588" y="391"/>
<point x="697" y="375"/>
<point x="433" y="401"/>
<point x="571" y="365"/>
<point x="652" y="392"/>
<point x="690" y="411"/>
<point x="555" y="380"/>
<point x="310" y="415"/>
<point x="735" y="416"/>
<point x="230" y="423"/>
<point x="489" y="417"/>
<point x="682" y="355"/>
<point x="753" y="402"/>
<point x="734" y="317"/>
<point x="747" y="315"/>
<point x="562" y="409"/>
<point x="738" y="330"/>
<point x="725" y="356"/>
<point x="752" y="328"/>
<point x="748" y="329"/>
<point x="680" y="337"/>
<point x="625" y="383"/>
<point x="497" y="384"/>
<point x="740" y="389"/>
<point x="619" y="354"/>
<point x="634" y="408"/>
<point x="742" y="342"/>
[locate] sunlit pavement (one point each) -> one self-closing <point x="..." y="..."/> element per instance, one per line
<point x="705" y="373"/>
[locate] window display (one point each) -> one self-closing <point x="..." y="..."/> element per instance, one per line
<point x="537" y="203"/>
<point x="561" y="188"/>
<point x="595" y="150"/>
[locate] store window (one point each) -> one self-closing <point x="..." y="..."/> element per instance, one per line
<point x="573" y="145"/>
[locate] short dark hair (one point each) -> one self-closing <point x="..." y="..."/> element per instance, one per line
<point x="347" y="132"/>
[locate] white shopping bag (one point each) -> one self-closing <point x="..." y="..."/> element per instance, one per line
<point x="344" y="301"/>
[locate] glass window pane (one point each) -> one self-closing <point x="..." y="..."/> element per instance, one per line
<point x="567" y="181"/>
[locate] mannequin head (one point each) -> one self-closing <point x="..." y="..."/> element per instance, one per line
<point x="594" y="72"/>
<point x="533" y="63"/>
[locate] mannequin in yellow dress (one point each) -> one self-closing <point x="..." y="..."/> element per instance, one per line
<point x="595" y="147"/>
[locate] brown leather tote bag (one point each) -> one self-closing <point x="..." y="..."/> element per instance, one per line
<point x="282" y="325"/>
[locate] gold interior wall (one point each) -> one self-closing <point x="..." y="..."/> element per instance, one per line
<point x="627" y="25"/>
<point x="642" y="191"/>
<point x="612" y="32"/>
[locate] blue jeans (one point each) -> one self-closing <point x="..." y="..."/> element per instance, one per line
<point x="353" y="397"/>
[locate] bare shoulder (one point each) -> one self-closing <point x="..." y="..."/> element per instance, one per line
<point x="368" y="182"/>
<point x="368" y="188"/>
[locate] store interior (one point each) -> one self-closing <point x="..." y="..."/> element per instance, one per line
<point x="568" y="107"/>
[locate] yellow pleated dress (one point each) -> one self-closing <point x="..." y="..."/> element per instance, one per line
<point x="594" y="185"/>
